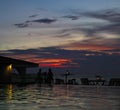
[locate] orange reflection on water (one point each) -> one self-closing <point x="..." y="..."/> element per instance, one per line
<point x="9" y="91"/>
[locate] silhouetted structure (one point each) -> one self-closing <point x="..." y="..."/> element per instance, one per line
<point x="84" y="81"/>
<point x="6" y="66"/>
<point x="66" y="76"/>
<point x="114" y="82"/>
<point x="72" y="81"/>
<point x="97" y="82"/>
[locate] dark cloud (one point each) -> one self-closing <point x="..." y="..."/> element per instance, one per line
<point x="72" y="17"/>
<point x="21" y="25"/>
<point x="29" y="22"/>
<point x="33" y="16"/>
<point x="62" y="35"/>
<point x="113" y="28"/>
<point x="112" y="15"/>
<point x="65" y="33"/>
<point x="45" y="20"/>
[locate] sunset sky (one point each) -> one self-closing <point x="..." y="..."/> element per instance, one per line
<point x="82" y="36"/>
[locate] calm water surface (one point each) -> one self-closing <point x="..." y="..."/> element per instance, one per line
<point x="59" y="97"/>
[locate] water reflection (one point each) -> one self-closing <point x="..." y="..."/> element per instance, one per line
<point x="61" y="91"/>
<point x="5" y="96"/>
<point x="62" y="97"/>
<point x="6" y="92"/>
<point x="9" y="91"/>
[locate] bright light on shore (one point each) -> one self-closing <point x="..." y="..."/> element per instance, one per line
<point x="9" y="69"/>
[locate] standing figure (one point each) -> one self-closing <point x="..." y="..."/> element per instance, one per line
<point x="50" y="76"/>
<point x="66" y="76"/>
<point x="39" y="77"/>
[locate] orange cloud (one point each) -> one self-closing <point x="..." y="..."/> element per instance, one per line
<point x="58" y="62"/>
<point x="90" y="47"/>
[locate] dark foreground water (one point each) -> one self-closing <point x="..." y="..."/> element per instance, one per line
<point x="59" y="97"/>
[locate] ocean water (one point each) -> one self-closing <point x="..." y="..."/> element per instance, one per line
<point x="59" y="97"/>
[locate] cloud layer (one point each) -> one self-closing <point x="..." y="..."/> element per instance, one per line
<point x="30" y="22"/>
<point x="84" y="61"/>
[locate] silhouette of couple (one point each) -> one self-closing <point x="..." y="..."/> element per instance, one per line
<point x="45" y="78"/>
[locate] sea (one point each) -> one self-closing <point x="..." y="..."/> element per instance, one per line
<point x="59" y="97"/>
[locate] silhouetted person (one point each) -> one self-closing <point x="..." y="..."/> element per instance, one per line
<point x="45" y="77"/>
<point x="66" y="76"/>
<point x="50" y="76"/>
<point x="39" y="77"/>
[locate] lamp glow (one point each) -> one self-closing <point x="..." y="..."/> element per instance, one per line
<point x="9" y="69"/>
